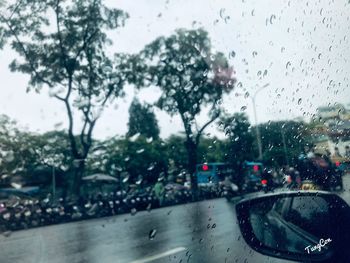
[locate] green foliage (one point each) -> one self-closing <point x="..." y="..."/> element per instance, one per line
<point x="14" y="152"/>
<point x="237" y="129"/>
<point x="142" y="120"/>
<point x="138" y="158"/>
<point x="23" y="153"/>
<point x="212" y="150"/>
<point x="272" y="141"/>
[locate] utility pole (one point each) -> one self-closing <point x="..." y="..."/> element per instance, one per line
<point x="257" y="129"/>
<point x="284" y="146"/>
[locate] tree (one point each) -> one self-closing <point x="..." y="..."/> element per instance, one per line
<point x="141" y="158"/>
<point x="212" y="150"/>
<point x="240" y="145"/>
<point x="190" y="77"/>
<point x="282" y="141"/>
<point x="31" y="156"/>
<point x="142" y="120"/>
<point x="62" y="46"/>
<point x="14" y="153"/>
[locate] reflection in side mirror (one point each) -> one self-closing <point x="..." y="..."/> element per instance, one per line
<point x="293" y="225"/>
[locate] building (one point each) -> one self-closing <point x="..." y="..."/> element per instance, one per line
<point x="333" y="133"/>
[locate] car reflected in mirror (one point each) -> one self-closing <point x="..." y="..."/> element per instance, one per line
<point x="301" y="226"/>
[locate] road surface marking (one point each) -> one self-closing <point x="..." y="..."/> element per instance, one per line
<point x="162" y="255"/>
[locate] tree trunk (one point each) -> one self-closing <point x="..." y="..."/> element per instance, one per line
<point x="78" y="174"/>
<point x="192" y="162"/>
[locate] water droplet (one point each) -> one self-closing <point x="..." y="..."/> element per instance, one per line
<point x="16" y="185"/>
<point x="288" y="64"/>
<point x="140" y="151"/>
<point x="7" y="233"/>
<point x="180" y="67"/>
<point x="243" y="108"/>
<point x="126" y="179"/>
<point x="9" y="157"/>
<point x="134" y="137"/>
<point x="222" y="13"/>
<point x="254" y="54"/>
<point x="188" y="86"/>
<point x="232" y="54"/>
<point x="152" y="234"/>
<point x="133" y="211"/>
<point x="300" y="101"/>
<point x="272" y="18"/>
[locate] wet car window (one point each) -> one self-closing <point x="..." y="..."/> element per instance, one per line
<point x="310" y="209"/>
<point x="282" y="206"/>
<point x="130" y="130"/>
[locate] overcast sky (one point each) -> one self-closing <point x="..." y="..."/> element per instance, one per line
<point x="300" y="48"/>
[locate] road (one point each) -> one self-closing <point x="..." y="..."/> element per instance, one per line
<point x="199" y="232"/>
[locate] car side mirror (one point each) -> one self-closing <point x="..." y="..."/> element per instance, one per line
<point x="301" y="226"/>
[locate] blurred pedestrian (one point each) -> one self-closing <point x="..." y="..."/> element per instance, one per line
<point x="337" y="152"/>
<point x="347" y="151"/>
<point x="159" y="190"/>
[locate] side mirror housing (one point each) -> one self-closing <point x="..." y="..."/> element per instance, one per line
<point x="301" y="226"/>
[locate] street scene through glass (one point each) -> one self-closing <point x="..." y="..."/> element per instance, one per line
<point x="174" y="131"/>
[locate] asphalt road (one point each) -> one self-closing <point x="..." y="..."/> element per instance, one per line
<point x="199" y="232"/>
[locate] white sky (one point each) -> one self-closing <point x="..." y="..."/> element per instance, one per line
<point x="303" y="46"/>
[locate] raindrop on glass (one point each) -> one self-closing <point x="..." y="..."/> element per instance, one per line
<point x="152" y="234"/>
<point x="232" y="54"/>
<point x="133" y="211"/>
<point x="272" y="18"/>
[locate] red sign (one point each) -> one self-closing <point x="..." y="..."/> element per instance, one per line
<point x="205" y="167"/>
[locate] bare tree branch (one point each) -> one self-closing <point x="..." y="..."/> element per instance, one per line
<point x="63" y="52"/>
<point x="216" y="115"/>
